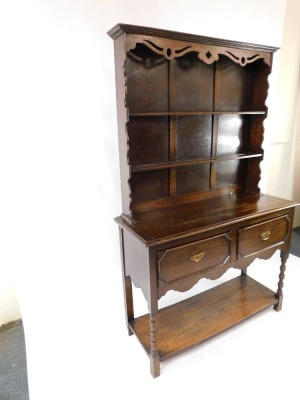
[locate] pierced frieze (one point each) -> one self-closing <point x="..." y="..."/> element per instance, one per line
<point x="170" y="49"/>
<point x="148" y="62"/>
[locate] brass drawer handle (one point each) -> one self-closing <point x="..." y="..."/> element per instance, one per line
<point x="197" y="257"/>
<point x="265" y="235"/>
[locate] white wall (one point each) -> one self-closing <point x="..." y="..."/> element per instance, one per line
<point x="60" y="172"/>
<point x="296" y="186"/>
<point x="9" y="307"/>
<point x="282" y="135"/>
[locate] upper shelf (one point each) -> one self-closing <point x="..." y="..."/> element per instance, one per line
<point x="182" y="163"/>
<point x="183" y="113"/>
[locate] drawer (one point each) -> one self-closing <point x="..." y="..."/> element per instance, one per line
<point x="183" y="261"/>
<point x="256" y="238"/>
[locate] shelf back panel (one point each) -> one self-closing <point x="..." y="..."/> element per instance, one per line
<point x="233" y="134"/>
<point x="148" y="140"/>
<point x="147" y="81"/>
<point x="193" y="178"/>
<point x="191" y="84"/>
<point x="150" y="185"/>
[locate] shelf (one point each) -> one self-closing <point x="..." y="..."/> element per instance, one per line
<point x="183" y="113"/>
<point x="174" y="164"/>
<point x="184" y="325"/>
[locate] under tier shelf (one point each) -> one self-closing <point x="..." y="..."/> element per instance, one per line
<point x="181" y="163"/>
<point x="183" y="113"/>
<point x="184" y="325"/>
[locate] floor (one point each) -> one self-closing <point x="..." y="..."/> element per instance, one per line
<point x="13" y="371"/>
<point x="295" y="244"/>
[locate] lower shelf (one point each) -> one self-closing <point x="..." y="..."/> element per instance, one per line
<point x="192" y="321"/>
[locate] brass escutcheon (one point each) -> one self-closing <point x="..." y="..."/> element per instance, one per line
<point x="197" y="257"/>
<point x="265" y="235"/>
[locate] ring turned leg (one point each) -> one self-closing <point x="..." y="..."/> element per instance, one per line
<point x="154" y="357"/>
<point x="279" y="294"/>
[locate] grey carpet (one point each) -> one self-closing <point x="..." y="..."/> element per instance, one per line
<point x="295" y="243"/>
<point x="13" y="370"/>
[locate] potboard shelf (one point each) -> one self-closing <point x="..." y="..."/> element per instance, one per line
<point x="199" y="318"/>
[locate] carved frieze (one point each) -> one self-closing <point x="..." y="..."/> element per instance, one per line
<point x="170" y="49"/>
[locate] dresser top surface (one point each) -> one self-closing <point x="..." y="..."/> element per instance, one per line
<point x="163" y="225"/>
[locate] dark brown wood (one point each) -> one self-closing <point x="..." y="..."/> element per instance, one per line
<point x="128" y="302"/>
<point x="184" y="199"/>
<point x="279" y="294"/>
<point x="127" y="287"/>
<point x="150" y="185"/>
<point x="136" y="263"/>
<point x="149" y="143"/>
<point x="120" y="29"/>
<point x="198" y="318"/>
<point x="166" y="224"/>
<point x="186" y="113"/>
<point x="193" y="84"/>
<point x="188" y="104"/>
<point x="154" y="357"/>
<point x="214" y="272"/>
<point x="120" y="73"/>
<point x="191" y="114"/>
<point x="154" y="84"/>
<point x="263" y="236"/>
<point x="182" y="261"/>
<point x="195" y="161"/>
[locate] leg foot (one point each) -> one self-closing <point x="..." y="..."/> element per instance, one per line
<point x="278" y="306"/>
<point x="154" y="366"/>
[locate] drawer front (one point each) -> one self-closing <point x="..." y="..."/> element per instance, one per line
<point x="180" y="262"/>
<point x="256" y="238"/>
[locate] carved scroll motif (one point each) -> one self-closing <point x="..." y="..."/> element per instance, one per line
<point x="171" y="49"/>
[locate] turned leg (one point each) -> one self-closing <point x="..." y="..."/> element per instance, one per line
<point x="279" y="294"/>
<point x="127" y="287"/>
<point x="154" y="357"/>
